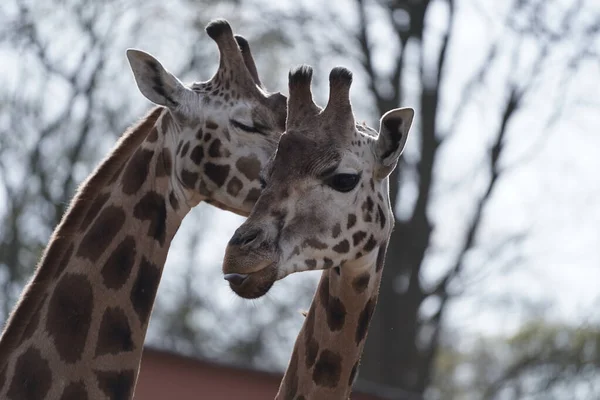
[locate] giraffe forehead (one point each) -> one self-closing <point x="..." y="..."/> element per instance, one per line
<point x="299" y="156"/>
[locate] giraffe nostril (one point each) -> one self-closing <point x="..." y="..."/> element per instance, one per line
<point x="244" y="238"/>
<point x="235" y="279"/>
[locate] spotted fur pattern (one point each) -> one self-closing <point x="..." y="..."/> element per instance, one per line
<point x="78" y="329"/>
<point x="304" y="221"/>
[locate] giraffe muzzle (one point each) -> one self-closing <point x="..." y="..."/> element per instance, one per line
<point x="235" y="279"/>
<point x="253" y="285"/>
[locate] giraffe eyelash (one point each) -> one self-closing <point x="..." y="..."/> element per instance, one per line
<point x="244" y="127"/>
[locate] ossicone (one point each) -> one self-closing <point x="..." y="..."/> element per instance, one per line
<point x="338" y="106"/>
<point x="301" y="106"/>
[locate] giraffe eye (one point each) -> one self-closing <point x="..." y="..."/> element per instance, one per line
<point x="244" y="127"/>
<point x="343" y="182"/>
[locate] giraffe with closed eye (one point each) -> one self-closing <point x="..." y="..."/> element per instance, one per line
<point x="325" y="205"/>
<point x="78" y="329"/>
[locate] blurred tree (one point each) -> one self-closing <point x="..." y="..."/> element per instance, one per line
<point x="543" y="360"/>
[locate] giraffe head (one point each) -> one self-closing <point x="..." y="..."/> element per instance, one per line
<point x="325" y="200"/>
<point x="222" y="131"/>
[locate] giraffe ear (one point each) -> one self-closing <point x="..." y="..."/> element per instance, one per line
<point x="154" y="81"/>
<point x="393" y="133"/>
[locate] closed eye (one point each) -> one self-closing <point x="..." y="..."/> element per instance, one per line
<point x="244" y="127"/>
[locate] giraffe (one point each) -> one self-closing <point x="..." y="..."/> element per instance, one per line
<point x="78" y="329"/>
<point x="325" y="205"/>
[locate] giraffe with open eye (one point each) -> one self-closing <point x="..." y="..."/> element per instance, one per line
<point x="325" y="205"/>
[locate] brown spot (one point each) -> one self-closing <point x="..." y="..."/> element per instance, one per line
<point x="32" y="377"/>
<point x="361" y="282"/>
<point x="70" y="315"/>
<point x="311" y="263"/>
<point x="199" y="134"/>
<point x="118" y="266"/>
<point x="144" y="289"/>
<point x="312" y="349"/>
<point x="136" y="171"/>
<point x="336" y="314"/>
<point x="197" y="155"/>
<point x="328" y="369"/>
<point x="211" y="124"/>
<point x="351" y="221"/>
<point x="185" y="149"/>
<point x="173" y="201"/>
<point x="370" y="245"/>
<point x="368" y="204"/>
<point x="178" y="148"/>
<point x="314" y="243"/>
<point x="114" y="336"/>
<point x="337" y="229"/>
<point x="363" y="320"/>
<point x="33" y="322"/>
<point x="337" y="270"/>
<point x="207" y="137"/>
<point x="153" y="135"/>
<point x="100" y="235"/>
<point x="290" y="380"/>
<point x="152" y="208"/>
<point x="358" y="237"/>
<point x="342" y="247"/>
<point x="116" y="385"/>
<point x="94" y="209"/>
<point x="234" y="186"/>
<point x="164" y="163"/>
<point x="75" y="391"/>
<point x="352" y="377"/>
<point x="381" y="216"/>
<point x="381" y="257"/>
<point x="64" y="261"/>
<point x="252" y="196"/>
<point x="189" y="178"/>
<point x="203" y="189"/>
<point x="249" y="166"/>
<point x="216" y="173"/>
<point x="327" y="263"/>
<point x="215" y="148"/>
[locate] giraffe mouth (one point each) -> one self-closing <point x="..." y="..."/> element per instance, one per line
<point x="254" y="284"/>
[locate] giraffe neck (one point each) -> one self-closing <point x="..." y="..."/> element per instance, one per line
<point x="80" y="326"/>
<point x="327" y="351"/>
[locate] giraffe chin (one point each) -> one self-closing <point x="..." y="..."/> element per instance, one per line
<point x="256" y="284"/>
